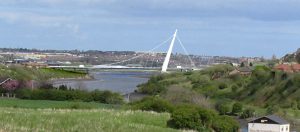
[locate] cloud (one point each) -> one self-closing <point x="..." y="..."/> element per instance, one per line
<point x="41" y="21"/>
<point x="266" y="10"/>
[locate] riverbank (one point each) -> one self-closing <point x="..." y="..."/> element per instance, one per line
<point x="85" y="78"/>
<point x="120" y="82"/>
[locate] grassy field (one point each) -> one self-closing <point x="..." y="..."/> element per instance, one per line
<point x="56" y="73"/>
<point x="56" y="116"/>
<point x="106" y="120"/>
<point x="44" y="104"/>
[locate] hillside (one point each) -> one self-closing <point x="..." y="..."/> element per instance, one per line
<point x="265" y="91"/>
<point x="24" y="74"/>
<point x="292" y="57"/>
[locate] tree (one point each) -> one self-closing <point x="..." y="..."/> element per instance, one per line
<point x="223" y="108"/>
<point x="225" y="124"/>
<point x="10" y="85"/>
<point x="242" y="64"/>
<point x="191" y="117"/>
<point x="153" y="104"/>
<point x="237" y="108"/>
<point x="251" y="64"/>
<point x="298" y="57"/>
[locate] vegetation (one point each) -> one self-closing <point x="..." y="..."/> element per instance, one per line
<point x="28" y="120"/>
<point x="186" y="116"/>
<point x="23" y="77"/>
<point x="153" y="104"/>
<point x="47" y="104"/>
<point x="106" y="97"/>
<point x="200" y="100"/>
<point x="197" y="118"/>
<point x="298" y="57"/>
<point x="263" y="88"/>
<point x="58" y="73"/>
<point x="237" y="108"/>
<point x="265" y="91"/>
<point x="225" y="124"/>
<point x="22" y="73"/>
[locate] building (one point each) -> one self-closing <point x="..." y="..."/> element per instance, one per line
<point x="289" y="68"/>
<point x="245" y="71"/>
<point x="271" y="123"/>
<point x="5" y="80"/>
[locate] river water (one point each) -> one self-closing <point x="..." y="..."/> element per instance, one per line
<point x="122" y="82"/>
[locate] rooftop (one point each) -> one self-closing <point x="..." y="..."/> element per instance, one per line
<point x="274" y="118"/>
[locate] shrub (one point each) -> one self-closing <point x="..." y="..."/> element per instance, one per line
<point x="191" y="117"/>
<point x="23" y="93"/>
<point x="63" y="87"/>
<point x="111" y="98"/>
<point x="223" y="108"/>
<point x="152" y="88"/>
<point x="153" y="104"/>
<point x="72" y="95"/>
<point x="237" y="108"/>
<point x="248" y="113"/>
<point x="222" y="85"/>
<point x="225" y="124"/>
<point x="234" y="88"/>
<point x="197" y="118"/>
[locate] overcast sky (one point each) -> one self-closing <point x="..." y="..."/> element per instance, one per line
<point x="206" y="27"/>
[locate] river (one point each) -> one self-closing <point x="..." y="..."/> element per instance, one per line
<point x="122" y="82"/>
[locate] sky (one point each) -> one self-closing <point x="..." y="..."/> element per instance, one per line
<point x="205" y="27"/>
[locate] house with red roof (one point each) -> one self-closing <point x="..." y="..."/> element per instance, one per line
<point x="290" y="68"/>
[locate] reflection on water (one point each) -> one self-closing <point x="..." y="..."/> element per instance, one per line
<point x="121" y="82"/>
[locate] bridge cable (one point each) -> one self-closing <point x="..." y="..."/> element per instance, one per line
<point x="184" y="49"/>
<point x="159" y="45"/>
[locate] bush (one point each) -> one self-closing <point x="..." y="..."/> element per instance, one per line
<point x="152" y="88"/>
<point x="23" y="93"/>
<point x="191" y="117"/>
<point x="222" y="85"/>
<point x="237" y="108"/>
<point x="248" y="113"/>
<point x="63" y="87"/>
<point x="71" y="95"/>
<point x="111" y="98"/>
<point x="153" y="104"/>
<point x="234" y="88"/>
<point x="223" y="108"/>
<point x="196" y="118"/>
<point x="225" y="124"/>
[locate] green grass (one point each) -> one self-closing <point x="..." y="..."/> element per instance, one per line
<point x="98" y="120"/>
<point x="44" y="104"/>
<point x="56" y="73"/>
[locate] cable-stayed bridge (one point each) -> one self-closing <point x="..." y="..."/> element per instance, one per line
<point x="125" y="63"/>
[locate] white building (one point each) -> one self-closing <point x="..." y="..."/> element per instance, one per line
<point x="270" y="123"/>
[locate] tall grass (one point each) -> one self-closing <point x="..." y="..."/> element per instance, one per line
<point x="96" y="120"/>
<point x="44" y="104"/>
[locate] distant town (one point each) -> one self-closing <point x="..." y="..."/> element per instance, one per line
<point x="44" y="58"/>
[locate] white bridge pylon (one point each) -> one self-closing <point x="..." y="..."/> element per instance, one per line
<point x="167" y="59"/>
<point x="114" y="65"/>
